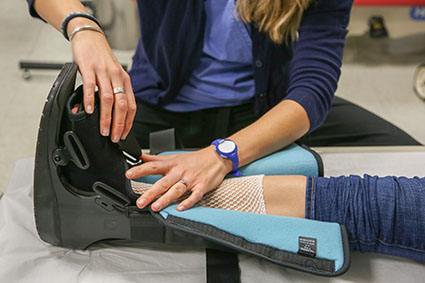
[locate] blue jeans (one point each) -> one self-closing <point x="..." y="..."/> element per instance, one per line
<point x="382" y="215"/>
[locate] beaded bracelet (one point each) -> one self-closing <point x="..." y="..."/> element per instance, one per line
<point x="69" y="17"/>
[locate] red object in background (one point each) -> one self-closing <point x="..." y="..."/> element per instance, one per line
<point x="390" y="2"/>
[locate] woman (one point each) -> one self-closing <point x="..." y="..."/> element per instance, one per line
<point x="263" y="78"/>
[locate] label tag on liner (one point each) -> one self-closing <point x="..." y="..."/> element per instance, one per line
<point x="307" y="246"/>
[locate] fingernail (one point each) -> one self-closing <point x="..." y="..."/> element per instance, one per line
<point x="141" y="202"/>
<point x="124" y="137"/>
<point x="180" y="207"/>
<point x="89" y="109"/>
<point x="105" y="132"/>
<point x="157" y="206"/>
<point x="116" y="138"/>
<point x="130" y="173"/>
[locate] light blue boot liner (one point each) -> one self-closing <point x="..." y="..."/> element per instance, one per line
<point x="292" y="160"/>
<point x="317" y="247"/>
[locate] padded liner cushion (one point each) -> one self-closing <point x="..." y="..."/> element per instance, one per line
<point x="278" y="232"/>
<point x="292" y="160"/>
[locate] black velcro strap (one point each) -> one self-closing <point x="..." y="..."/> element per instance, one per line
<point x="165" y="140"/>
<point x="131" y="146"/>
<point x="161" y="141"/>
<point x="222" y="267"/>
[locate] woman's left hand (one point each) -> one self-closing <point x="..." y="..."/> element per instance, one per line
<point x="198" y="172"/>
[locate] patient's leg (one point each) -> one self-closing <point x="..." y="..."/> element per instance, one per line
<point x="278" y="195"/>
<point x="285" y="195"/>
<point x="381" y="214"/>
<point x="385" y="215"/>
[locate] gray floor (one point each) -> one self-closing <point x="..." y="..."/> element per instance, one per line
<point x="384" y="89"/>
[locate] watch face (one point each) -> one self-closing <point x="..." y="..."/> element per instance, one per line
<point x="227" y="146"/>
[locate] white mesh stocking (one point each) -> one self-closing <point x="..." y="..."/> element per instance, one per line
<point x="241" y="194"/>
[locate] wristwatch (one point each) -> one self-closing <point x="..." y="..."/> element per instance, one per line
<point x="228" y="149"/>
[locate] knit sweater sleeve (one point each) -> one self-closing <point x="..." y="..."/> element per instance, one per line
<point x="315" y="67"/>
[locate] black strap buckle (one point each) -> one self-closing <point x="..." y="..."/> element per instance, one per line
<point x="109" y="198"/>
<point x="73" y="151"/>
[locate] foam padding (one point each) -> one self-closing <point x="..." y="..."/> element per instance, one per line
<point x="278" y="232"/>
<point x="292" y="160"/>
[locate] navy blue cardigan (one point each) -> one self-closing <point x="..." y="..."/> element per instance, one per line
<point x="306" y="70"/>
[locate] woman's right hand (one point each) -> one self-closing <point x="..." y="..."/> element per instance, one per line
<point x="99" y="67"/>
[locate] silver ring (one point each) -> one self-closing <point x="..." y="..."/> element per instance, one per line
<point x="184" y="182"/>
<point x="119" y="90"/>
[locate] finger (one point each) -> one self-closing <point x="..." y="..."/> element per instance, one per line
<point x="120" y="104"/>
<point x="195" y="196"/>
<point x="131" y="107"/>
<point x="148" y="157"/>
<point x="174" y="193"/>
<point x="106" y="103"/>
<point x="160" y="187"/>
<point x="120" y="113"/>
<point x="149" y="168"/>
<point x="75" y="108"/>
<point x="89" y="86"/>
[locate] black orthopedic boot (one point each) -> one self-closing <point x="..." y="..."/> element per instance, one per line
<point x="97" y="164"/>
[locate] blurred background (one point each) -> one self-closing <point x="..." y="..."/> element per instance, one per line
<point x="383" y="64"/>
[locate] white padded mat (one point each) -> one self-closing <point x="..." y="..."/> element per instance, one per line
<point x="25" y="258"/>
<point x="406" y="161"/>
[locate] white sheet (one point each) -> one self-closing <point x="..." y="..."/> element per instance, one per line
<point x="25" y="258"/>
<point x="406" y="161"/>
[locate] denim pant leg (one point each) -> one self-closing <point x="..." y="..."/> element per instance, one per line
<point x="382" y="215"/>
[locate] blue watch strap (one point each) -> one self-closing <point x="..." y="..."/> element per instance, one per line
<point x="233" y="156"/>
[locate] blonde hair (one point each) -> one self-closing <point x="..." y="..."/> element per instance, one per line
<point x="280" y="19"/>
